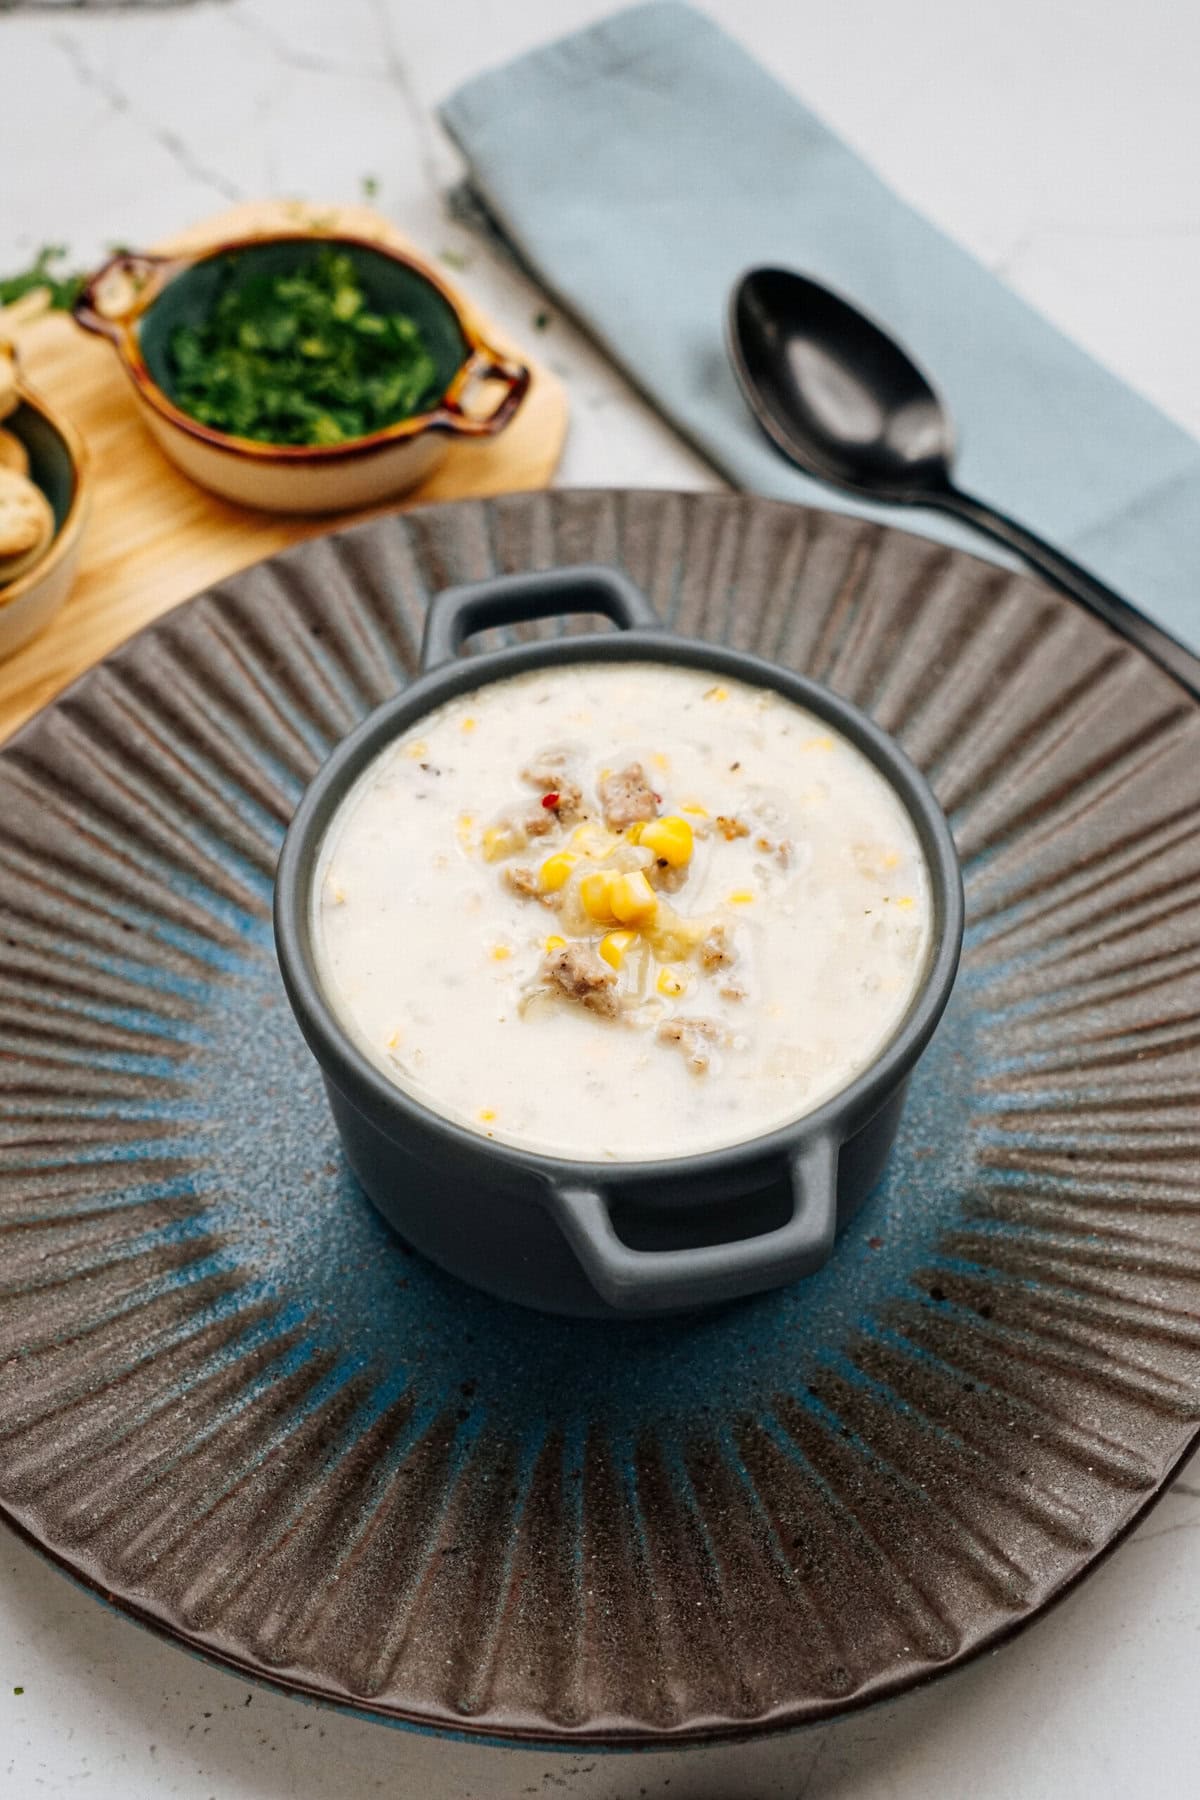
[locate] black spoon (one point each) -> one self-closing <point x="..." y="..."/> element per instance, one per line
<point x="846" y="403"/>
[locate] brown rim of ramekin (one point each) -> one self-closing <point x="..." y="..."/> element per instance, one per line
<point x="66" y="533"/>
<point x="151" y="274"/>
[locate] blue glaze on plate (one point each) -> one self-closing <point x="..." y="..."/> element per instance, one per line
<point x="234" y="1403"/>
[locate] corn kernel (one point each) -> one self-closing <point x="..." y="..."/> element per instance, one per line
<point x="499" y="841"/>
<point x="417" y="750"/>
<point x="594" y="893"/>
<point x="393" y="1041"/>
<point x="613" y="947"/>
<point x="501" y="952"/>
<point x="670" y="839"/>
<point x="741" y="897"/>
<point x="554" y="942"/>
<point x="555" y="871"/>
<point x="694" y="807"/>
<point x="591" y="840"/>
<point x="487" y="1114"/>
<point x="659" y="761"/>
<point x="632" y="899"/>
<point x="823" y="742"/>
<point x="468" y="724"/>
<point x="672" y="983"/>
<point x="906" y="901"/>
<point x="633" y="833"/>
<point x="716" y="693"/>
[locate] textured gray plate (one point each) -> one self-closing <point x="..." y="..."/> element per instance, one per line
<point x="231" y="1402"/>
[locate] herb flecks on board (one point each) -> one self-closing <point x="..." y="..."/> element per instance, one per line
<point x="64" y="285"/>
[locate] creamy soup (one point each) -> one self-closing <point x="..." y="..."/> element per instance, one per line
<point x="621" y="911"/>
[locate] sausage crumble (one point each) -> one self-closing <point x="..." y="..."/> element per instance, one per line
<point x="578" y="973"/>
<point x="694" y="1037"/>
<point x="627" y="798"/>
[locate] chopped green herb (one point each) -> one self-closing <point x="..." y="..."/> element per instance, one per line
<point x="64" y="284"/>
<point x="301" y="358"/>
<point x="370" y="186"/>
<point x="540" y="321"/>
<point x="18" y="1690"/>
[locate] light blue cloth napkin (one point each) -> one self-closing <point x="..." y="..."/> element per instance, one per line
<point x="641" y="165"/>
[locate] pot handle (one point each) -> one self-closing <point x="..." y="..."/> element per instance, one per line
<point x="666" y="1280"/>
<point x="542" y="594"/>
<point x="138" y="270"/>
<point x="483" y="364"/>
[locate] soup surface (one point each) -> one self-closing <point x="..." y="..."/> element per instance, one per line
<point x="621" y="911"/>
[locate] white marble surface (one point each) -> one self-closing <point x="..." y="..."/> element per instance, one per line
<point x="1060" y="142"/>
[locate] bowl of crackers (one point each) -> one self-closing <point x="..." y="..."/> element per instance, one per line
<point x="43" y="501"/>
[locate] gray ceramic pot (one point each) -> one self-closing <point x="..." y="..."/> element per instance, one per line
<point x="604" y="1239"/>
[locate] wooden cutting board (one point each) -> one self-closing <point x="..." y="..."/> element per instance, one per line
<point x="153" y="537"/>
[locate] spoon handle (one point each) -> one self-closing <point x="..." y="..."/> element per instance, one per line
<point x="1082" y="586"/>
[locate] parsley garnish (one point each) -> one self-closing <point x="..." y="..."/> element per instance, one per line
<point x="300" y="358"/>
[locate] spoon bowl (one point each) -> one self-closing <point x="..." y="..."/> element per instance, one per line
<point x="837" y="394"/>
<point x="834" y="391"/>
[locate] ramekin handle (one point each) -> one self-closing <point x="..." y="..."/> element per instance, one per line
<point x="457" y="612"/>
<point x="644" y="1281"/>
<point x="483" y="364"/>
<point x="108" y="318"/>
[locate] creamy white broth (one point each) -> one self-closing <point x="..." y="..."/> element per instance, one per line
<point x="804" y="863"/>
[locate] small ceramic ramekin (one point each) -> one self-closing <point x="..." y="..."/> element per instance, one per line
<point x="137" y="301"/>
<point x="58" y="463"/>
<point x="610" y="1239"/>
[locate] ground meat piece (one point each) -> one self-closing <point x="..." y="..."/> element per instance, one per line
<point x="627" y="797"/>
<point x="568" y="806"/>
<point x="731" y="828"/>
<point x="538" y="822"/>
<point x="546" y="772"/>
<point x="716" y="952"/>
<point x="732" y="990"/>
<point x="694" y="1038"/>
<point x="577" y="972"/>
<point x="522" y="881"/>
